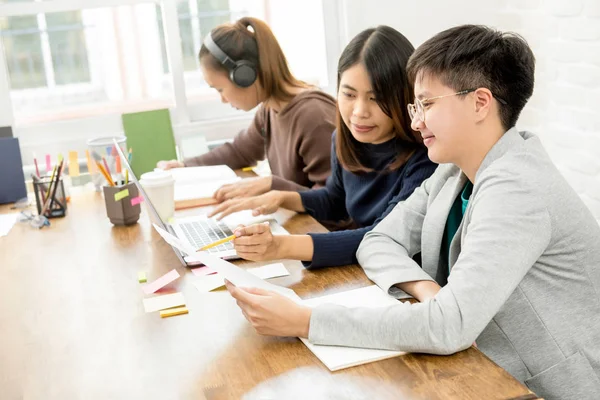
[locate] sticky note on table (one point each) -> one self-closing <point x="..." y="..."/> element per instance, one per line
<point x="91" y="165"/>
<point x="73" y="164"/>
<point x="48" y="163"/>
<point x="269" y="271"/>
<point x="158" y="303"/>
<point x="202" y="271"/>
<point x="173" y="311"/>
<point x="121" y="195"/>
<point x="161" y="282"/>
<point x="209" y="282"/>
<point x="136" y="200"/>
<point x="142" y="277"/>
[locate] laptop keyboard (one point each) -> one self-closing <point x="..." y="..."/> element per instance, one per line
<point x="201" y="233"/>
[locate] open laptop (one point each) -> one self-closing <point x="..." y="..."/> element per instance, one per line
<point x="198" y="230"/>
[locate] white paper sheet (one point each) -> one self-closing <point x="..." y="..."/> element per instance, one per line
<point x="7" y="221"/>
<point x="209" y="282"/>
<point x="164" y="301"/>
<point x="339" y="357"/>
<point x="269" y="271"/>
<point x="202" y="174"/>
<point x="201" y="190"/>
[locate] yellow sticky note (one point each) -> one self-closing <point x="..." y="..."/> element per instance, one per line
<point x="91" y="165"/>
<point x="173" y="311"/>
<point x="121" y="195"/>
<point x="73" y="164"/>
<point x="141" y="277"/>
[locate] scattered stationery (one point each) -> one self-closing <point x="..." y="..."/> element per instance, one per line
<point x="161" y="282"/>
<point x="136" y="200"/>
<point x="37" y="168"/>
<point x="91" y="165"/>
<point x="105" y="164"/>
<point x="209" y="282"/>
<point x="7" y="221"/>
<point x="231" y="272"/>
<point x="218" y="242"/>
<point x="165" y="301"/>
<point x="173" y="311"/>
<point x="214" y="280"/>
<point x="121" y="195"/>
<point x="340" y="357"/>
<point x="142" y="277"/>
<point x="334" y="357"/>
<point x="202" y="271"/>
<point x="73" y="164"/>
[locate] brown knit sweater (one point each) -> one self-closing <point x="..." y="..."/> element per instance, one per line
<point x="296" y="140"/>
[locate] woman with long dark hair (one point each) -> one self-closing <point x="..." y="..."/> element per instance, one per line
<point x="377" y="159"/>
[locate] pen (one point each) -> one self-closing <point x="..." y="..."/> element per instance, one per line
<point x="218" y="242"/>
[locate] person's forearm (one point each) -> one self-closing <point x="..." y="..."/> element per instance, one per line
<point x="420" y="290"/>
<point x="296" y="247"/>
<point x="292" y="201"/>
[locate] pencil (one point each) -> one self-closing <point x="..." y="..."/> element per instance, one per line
<point x="218" y="242"/>
<point x="37" y="169"/>
<point x="247" y="169"/>
<point x="106" y="166"/>
<point x="105" y="174"/>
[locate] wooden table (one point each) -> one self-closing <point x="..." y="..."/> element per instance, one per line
<point x="72" y="326"/>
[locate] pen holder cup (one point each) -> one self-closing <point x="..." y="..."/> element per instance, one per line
<point x="121" y="208"/>
<point x="50" y="199"/>
<point x="103" y="147"/>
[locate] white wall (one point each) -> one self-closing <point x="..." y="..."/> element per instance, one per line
<point x="565" y="37"/>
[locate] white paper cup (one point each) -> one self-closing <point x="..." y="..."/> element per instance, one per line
<point x="160" y="187"/>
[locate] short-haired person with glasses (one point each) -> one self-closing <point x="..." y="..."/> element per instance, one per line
<point x="510" y="254"/>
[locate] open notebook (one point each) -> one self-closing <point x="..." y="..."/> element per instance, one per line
<point x="195" y="186"/>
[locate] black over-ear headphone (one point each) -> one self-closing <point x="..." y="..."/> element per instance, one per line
<point x="241" y="72"/>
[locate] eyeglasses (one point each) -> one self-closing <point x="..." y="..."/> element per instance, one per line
<point x="418" y="109"/>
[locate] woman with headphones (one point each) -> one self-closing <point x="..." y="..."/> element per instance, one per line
<point x="292" y="127"/>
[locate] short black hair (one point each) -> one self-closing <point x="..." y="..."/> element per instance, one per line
<point x="475" y="56"/>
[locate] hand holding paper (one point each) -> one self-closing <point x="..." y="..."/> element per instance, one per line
<point x="271" y="313"/>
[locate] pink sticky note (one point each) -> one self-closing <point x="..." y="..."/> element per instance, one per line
<point x="48" y="163"/>
<point x="136" y="200"/>
<point x="161" y="282"/>
<point x="203" y="271"/>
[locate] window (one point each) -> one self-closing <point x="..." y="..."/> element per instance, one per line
<point x="63" y="65"/>
<point x="196" y="19"/>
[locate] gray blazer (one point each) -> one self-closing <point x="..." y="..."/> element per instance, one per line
<point x="524" y="280"/>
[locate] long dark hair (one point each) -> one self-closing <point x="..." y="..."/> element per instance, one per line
<point x="260" y="47"/>
<point x="384" y="52"/>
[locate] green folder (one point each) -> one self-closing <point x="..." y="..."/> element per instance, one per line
<point x="150" y="136"/>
